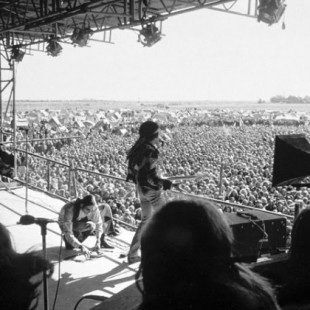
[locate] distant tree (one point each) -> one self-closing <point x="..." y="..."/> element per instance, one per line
<point x="277" y="99"/>
<point x="294" y="99"/>
<point x="307" y="99"/>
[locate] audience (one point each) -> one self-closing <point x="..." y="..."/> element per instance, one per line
<point x="187" y="263"/>
<point x="18" y="289"/>
<point x="245" y="154"/>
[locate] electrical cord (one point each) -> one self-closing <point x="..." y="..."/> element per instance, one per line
<point x="59" y="264"/>
<point x="263" y="230"/>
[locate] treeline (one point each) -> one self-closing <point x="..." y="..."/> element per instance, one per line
<point x="290" y="99"/>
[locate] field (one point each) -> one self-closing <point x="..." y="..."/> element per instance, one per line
<point x="22" y="106"/>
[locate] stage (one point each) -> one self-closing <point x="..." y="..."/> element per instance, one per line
<point x="104" y="275"/>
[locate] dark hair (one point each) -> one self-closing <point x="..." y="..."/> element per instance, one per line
<point x="296" y="288"/>
<point x="17" y="292"/>
<point x="186" y="263"/>
<point x="88" y="200"/>
<point x="300" y="244"/>
<point x="5" y="240"/>
<point x="148" y="130"/>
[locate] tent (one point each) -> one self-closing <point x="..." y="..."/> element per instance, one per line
<point x="88" y="123"/>
<point x="54" y="122"/>
<point x="63" y="129"/>
<point x="21" y="123"/>
<point x="102" y="123"/>
<point x="120" y="131"/>
<point x="78" y="124"/>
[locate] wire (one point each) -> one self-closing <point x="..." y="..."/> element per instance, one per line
<point x="263" y="230"/>
<point x="59" y="264"/>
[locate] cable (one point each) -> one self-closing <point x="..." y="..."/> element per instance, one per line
<point x="59" y="263"/>
<point x="263" y="230"/>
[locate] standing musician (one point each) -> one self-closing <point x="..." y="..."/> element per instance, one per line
<point x="142" y="170"/>
<point x="80" y="218"/>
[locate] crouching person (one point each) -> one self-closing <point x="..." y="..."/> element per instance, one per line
<point x="77" y="220"/>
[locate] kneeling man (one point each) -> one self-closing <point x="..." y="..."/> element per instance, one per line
<point x="80" y="218"/>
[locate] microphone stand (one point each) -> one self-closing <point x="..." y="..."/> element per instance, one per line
<point x="27" y="177"/>
<point x="45" y="286"/>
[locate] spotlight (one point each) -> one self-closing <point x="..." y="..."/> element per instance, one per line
<point x="149" y="35"/>
<point x="53" y="48"/>
<point x="81" y="36"/>
<point x="270" y="11"/>
<point x="17" y="54"/>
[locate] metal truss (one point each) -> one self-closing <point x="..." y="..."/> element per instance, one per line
<point x="32" y="22"/>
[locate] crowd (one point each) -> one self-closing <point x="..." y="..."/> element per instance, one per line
<point x="243" y="153"/>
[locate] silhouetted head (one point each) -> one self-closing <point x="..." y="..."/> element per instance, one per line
<point x="300" y="244"/>
<point x="186" y="263"/>
<point x="18" y="289"/>
<point x="149" y="130"/>
<point x="5" y="239"/>
<point x="183" y="244"/>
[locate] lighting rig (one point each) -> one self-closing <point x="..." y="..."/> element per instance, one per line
<point x="81" y="36"/>
<point x="17" y="54"/>
<point x="270" y="11"/>
<point x="149" y="34"/>
<point x="53" y="48"/>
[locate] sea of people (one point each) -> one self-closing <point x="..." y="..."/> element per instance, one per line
<point x="230" y="163"/>
<point x="233" y="163"/>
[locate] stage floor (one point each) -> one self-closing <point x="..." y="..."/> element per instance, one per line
<point x="105" y="275"/>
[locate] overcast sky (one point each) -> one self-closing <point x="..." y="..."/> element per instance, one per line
<point x="204" y="55"/>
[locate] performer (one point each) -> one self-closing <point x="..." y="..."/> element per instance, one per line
<point x="107" y="219"/>
<point x="78" y="219"/>
<point x="142" y="170"/>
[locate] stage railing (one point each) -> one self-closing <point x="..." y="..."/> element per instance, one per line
<point x="75" y="189"/>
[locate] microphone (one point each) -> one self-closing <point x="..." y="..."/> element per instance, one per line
<point x="29" y="219"/>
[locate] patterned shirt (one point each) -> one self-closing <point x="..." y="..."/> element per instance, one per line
<point x="143" y="168"/>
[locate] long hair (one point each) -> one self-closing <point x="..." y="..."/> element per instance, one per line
<point x="296" y="288"/>
<point x="147" y="132"/>
<point x="300" y="244"/>
<point x="17" y="291"/>
<point x="186" y="262"/>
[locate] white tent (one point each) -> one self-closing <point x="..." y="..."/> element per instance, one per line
<point x="54" y="122"/>
<point x="88" y="123"/>
<point x="102" y="123"/>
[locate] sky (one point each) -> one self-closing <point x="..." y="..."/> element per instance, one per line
<point x="203" y="55"/>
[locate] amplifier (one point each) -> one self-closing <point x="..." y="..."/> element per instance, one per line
<point x="257" y="232"/>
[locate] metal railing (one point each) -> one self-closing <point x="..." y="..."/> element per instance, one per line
<point x="72" y="185"/>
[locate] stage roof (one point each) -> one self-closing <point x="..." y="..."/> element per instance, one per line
<point x="32" y="23"/>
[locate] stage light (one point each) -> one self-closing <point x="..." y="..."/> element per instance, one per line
<point x="81" y="36"/>
<point x="149" y="35"/>
<point x="53" y="48"/>
<point x="270" y="11"/>
<point x="17" y="54"/>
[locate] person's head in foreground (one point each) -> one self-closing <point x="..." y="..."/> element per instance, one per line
<point x="296" y="289"/>
<point x="186" y="263"/>
<point x="18" y="288"/>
